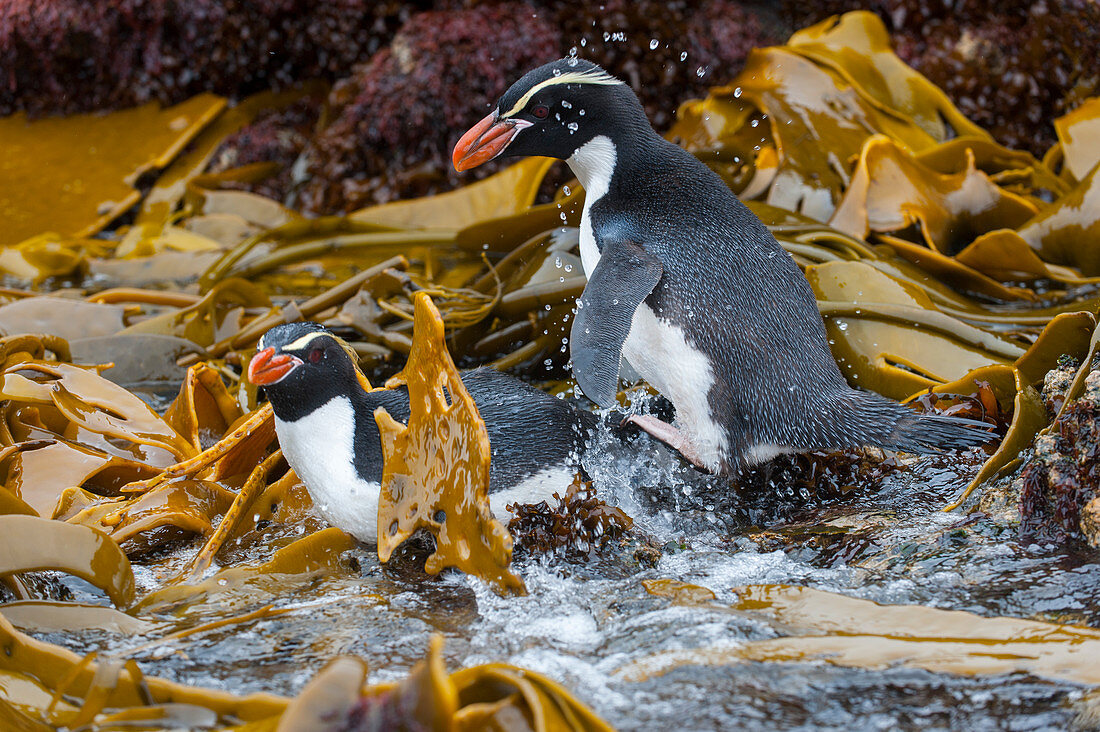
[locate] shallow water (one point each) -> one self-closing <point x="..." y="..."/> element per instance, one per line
<point x="644" y="661"/>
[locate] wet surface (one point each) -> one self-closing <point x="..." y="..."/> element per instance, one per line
<point x="642" y="660"/>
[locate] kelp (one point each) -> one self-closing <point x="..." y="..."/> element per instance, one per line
<point x="79" y="172"/>
<point x="824" y="627"/>
<point x="32" y="544"/>
<point x="951" y="272"/>
<point x="435" y="471"/>
<point x="49" y="686"/>
<point x="891" y="192"/>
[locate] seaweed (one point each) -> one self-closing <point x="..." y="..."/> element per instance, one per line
<point x="579" y="526"/>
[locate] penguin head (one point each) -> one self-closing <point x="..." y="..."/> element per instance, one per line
<point x="302" y="366"/>
<point x="552" y="111"/>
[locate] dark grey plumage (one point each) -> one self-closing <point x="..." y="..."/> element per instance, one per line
<point x="726" y="287"/>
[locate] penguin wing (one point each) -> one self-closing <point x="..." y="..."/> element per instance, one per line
<point x="624" y="276"/>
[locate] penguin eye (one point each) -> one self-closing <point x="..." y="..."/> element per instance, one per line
<point x="541" y="111"/>
<point x="316" y="354"/>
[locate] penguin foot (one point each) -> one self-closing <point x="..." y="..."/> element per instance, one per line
<point x="669" y="435"/>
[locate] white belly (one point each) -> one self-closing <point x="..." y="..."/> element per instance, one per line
<point x="539" y="487"/>
<point x="319" y="447"/>
<point x="662" y="356"/>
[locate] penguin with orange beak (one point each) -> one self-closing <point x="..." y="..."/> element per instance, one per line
<point x="325" y="424"/>
<point x="691" y="288"/>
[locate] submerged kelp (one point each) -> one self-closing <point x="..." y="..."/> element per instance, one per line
<point x="951" y="271"/>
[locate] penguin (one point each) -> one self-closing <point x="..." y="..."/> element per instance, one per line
<point x="691" y="288"/>
<point x="325" y="424"/>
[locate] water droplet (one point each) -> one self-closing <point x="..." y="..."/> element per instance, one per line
<point x="568" y="268"/>
<point x="567" y="191"/>
<point x="573" y="127"/>
<point x="737" y="93"/>
<point x="557" y="72"/>
<point x="701" y="71"/>
<point x="565" y="103"/>
<point x="606" y="36"/>
<point x="683" y="56"/>
<point x="755" y="123"/>
<point x="581" y="113"/>
<point x="584" y="42"/>
<point x="653" y="44"/>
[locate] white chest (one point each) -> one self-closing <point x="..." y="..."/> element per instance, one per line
<point x="593" y="163"/>
<point x="319" y="447"/>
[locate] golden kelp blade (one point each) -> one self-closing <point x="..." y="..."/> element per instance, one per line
<point x="426" y="700"/>
<point x="856" y="633"/>
<point x="436" y="471"/>
<point x="857" y="46"/>
<point x="31" y="544"/>
<point x="74" y="174"/>
<point x="890" y="191"/>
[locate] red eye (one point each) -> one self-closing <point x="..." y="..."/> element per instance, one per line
<point x="541" y="111"/>
<point x="316" y="355"/>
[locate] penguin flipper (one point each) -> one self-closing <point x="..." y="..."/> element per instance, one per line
<point x="624" y="276"/>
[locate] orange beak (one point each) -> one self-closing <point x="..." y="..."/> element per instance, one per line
<point x="485" y="140"/>
<point x="267" y="368"/>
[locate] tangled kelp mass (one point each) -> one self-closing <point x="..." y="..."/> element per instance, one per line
<point x="151" y="525"/>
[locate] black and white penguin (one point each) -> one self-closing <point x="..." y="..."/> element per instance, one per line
<point x="325" y="424"/>
<point x="692" y="288"/>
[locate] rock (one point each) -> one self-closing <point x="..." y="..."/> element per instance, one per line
<point x="82" y="55"/>
<point x="1090" y="522"/>
<point x="1056" y="383"/>
<point x="275" y="136"/>
<point x="1001" y="502"/>
<point x="1060" y="484"/>
<point x="396" y="118"/>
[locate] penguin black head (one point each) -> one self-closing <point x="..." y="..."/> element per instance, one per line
<point x="552" y="111"/>
<point x="302" y="366"/>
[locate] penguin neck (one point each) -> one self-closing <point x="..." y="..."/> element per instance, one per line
<point x="606" y="158"/>
<point x="594" y="164"/>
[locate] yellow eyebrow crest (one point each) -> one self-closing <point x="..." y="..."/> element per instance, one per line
<point x="589" y="76"/>
<point x="301" y="343"/>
